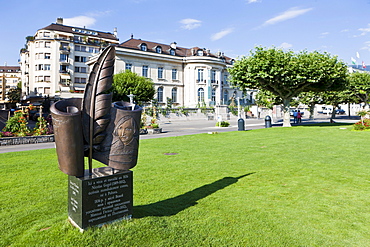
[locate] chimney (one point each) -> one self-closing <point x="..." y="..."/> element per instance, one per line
<point x="115" y="33"/>
<point x="60" y="21"/>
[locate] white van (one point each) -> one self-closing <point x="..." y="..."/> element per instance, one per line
<point x="327" y="110"/>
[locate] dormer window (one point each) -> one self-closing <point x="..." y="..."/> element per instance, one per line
<point x="200" y="53"/>
<point x="172" y="52"/>
<point x="158" y="49"/>
<point x="143" y="47"/>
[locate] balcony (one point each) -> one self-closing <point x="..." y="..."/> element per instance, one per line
<point x="64" y="62"/>
<point x="202" y="81"/>
<point x="65" y="49"/>
<point x="65" y="72"/>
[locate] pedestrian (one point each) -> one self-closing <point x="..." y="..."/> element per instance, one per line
<point x="299" y="117"/>
<point x="295" y="114"/>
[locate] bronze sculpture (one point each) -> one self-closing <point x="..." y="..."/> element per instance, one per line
<point x="94" y="127"/>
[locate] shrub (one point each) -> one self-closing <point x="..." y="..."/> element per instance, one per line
<point x="362" y="125"/>
<point x="17" y="124"/>
<point x="222" y="124"/>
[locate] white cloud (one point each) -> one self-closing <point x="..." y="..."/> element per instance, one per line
<point x="289" y="14"/>
<point x="221" y="34"/>
<point x="364" y="30"/>
<point x="344" y="30"/>
<point x="285" y="45"/>
<point x="253" y="1"/>
<point x="367" y="46"/>
<point x="323" y="35"/>
<point x="190" y="24"/>
<point x="79" y="21"/>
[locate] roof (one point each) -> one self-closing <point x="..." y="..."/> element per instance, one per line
<point x="13" y="69"/>
<point x="179" y="51"/>
<point x="77" y="30"/>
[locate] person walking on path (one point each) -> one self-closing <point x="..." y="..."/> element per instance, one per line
<point x="295" y="114"/>
<point x="299" y="117"/>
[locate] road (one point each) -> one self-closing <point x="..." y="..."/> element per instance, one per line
<point x="178" y="127"/>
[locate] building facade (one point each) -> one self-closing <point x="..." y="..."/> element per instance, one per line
<point x="190" y="77"/>
<point x="54" y="61"/>
<point x="10" y="76"/>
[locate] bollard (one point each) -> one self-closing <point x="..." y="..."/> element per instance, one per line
<point x="241" y="124"/>
<point x="267" y="121"/>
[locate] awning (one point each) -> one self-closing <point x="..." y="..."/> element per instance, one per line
<point x="66" y="76"/>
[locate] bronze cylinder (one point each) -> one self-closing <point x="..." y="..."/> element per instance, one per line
<point x="68" y="136"/>
<point x="120" y="147"/>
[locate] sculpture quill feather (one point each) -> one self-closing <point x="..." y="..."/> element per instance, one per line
<point x="97" y="103"/>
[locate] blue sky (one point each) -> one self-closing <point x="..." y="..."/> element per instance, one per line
<point x="340" y="27"/>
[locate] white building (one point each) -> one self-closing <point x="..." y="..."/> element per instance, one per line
<point x="191" y="77"/>
<point x="54" y="61"/>
<point x="9" y="78"/>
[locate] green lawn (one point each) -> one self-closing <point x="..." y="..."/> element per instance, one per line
<point x="299" y="186"/>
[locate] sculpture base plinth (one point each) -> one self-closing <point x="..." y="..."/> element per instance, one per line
<point x="103" y="197"/>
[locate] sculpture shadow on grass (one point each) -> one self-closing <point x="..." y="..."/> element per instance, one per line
<point x="174" y="205"/>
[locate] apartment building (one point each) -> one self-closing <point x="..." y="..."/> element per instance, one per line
<point x="54" y="61"/>
<point x="190" y="77"/>
<point x="10" y="76"/>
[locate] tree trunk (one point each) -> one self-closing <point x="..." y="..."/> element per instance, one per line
<point x="286" y="110"/>
<point x="312" y="110"/>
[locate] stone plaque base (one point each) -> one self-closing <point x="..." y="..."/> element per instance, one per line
<point x="103" y="197"/>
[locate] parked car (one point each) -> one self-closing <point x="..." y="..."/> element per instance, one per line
<point x="340" y="111"/>
<point x="329" y="110"/>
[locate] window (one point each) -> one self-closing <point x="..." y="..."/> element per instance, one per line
<point x="47" y="44"/>
<point x="47" y="56"/>
<point x="39" y="78"/>
<point x="47" y="78"/>
<point x="200" y="95"/>
<point x="80" y="80"/>
<point x="63" y="58"/>
<point x="80" y="59"/>
<point x="80" y="48"/>
<point x="160" y="73"/>
<point x="174" y="74"/>
<point x="213" y="76"/>
<point x="143" y="47"/>
<point x="225" y="79"/>
<point x="81" y="69"/>
<point x="39" y="67"/>
<point x="63" y="68"/>
<point x="47" y="90"/>
<point x="213" y="95"/>
<point x="47" y="34"/>
<point x="174" y="95"/>
<point x="160" y="94"/>
<point x="226" y="97"/>
<point x="172" y="52"/>
<point x="128" y="66"/>
<point x="145" y="71"/>
<point x="200" y="75"/>
<point x="200" y="53"/>
<point x="47" y="66"/>
<point x="158" y="49"/>
<point x="64" y="46"/>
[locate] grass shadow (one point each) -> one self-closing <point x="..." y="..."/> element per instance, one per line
<point x="323" y="124"/>
<point x="173" y="206"/>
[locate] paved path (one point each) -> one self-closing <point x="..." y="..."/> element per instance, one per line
<point x="176" y="127"/>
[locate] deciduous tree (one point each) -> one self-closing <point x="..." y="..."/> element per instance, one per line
<point x="126" y="83"/>
<point x="287" y="74"/>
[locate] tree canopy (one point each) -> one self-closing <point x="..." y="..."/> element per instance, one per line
<point x="127" y="82"/>
<point x="359" y="87"/>
<point x="287" y="74"/>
